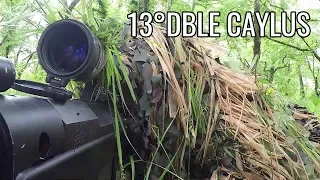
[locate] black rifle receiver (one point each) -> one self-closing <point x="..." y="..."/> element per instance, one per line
<point x="50" y="136"/>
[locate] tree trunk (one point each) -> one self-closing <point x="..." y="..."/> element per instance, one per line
<point x="271" y="75"/>
<point x="7" y="52"/>
<point x="257" y="38"/>
<point x="288" y="71"/>
<point x="315" y="77"/>
<point x="169" y="4"/>
<point x="302" y="93"/>
<point x="194" y="3"/>
<point x="143" y="6"/>
<point x="316" y="85"/>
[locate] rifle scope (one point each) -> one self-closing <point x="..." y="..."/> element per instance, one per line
<point x="68" y="50"/>
<point x="55" y="137"/>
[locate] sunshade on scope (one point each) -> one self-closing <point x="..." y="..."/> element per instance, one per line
<point x="68" y="50"/>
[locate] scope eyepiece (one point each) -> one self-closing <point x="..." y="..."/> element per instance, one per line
<point x="67" y="50"/>
<point x="7" y="74"/>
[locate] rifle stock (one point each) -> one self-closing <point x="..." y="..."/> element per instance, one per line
<point x="45" y="139"/>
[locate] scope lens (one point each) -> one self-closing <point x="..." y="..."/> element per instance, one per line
<point x="72" y="55"/>
<point x="68" y="49"/>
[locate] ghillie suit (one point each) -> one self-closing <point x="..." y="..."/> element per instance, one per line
<point x="194" y="118"/>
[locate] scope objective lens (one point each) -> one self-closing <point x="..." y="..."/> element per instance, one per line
<point x="73" y="56"/>
<point x="67" y="49"/>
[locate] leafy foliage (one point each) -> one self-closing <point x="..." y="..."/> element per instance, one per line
<point x="287" y="71"/>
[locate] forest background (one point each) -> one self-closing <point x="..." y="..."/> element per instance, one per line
<point x="290" y="66"/>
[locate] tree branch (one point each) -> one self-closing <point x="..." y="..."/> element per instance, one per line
<point x="289" y="45"/>
<point x="73" y="5"/>
<point x="4" y="39"/>
<point x="281" y="67"/>
<point x="279" y="7"/>
<point x="317" y="56"/>
<point x="29" y="57"/>
<point x="313" y="51"/>
<point x="18" y="54"/>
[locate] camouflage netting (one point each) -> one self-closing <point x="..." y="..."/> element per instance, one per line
<point x="309" y="121"/>
<point x="216" y="123"/>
